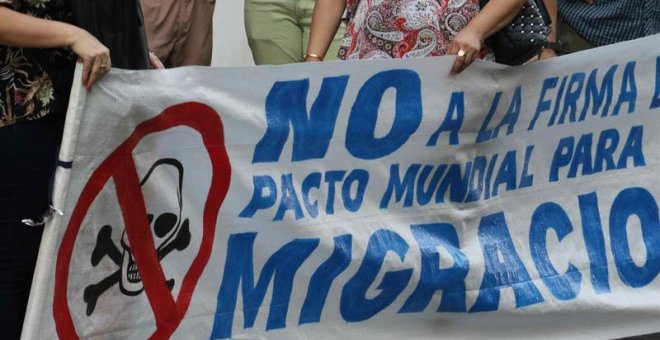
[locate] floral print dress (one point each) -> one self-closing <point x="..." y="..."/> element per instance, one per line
<point x="384" y="29"/>
<point x="34" y="82"/>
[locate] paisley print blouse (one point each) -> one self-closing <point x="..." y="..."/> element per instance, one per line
<point x="34" y="82"/>
<point x="383" y="29"/>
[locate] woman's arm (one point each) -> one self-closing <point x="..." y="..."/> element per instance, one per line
<point x="493" y="17"/>
<point x="20" y="30"/>
<point x="325" y="22"/>
<point x="551" y="6"/>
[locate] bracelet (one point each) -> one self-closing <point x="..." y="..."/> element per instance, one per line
<point x="313" y="56"/>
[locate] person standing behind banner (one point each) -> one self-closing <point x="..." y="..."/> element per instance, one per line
<point x="118" y="24"/>
<point x="585" y="24"/>
<point x="38" y="51"/>
<point x="410" y="28"/>
<point x="180" y="32"/>
<point x="278" y="31"/>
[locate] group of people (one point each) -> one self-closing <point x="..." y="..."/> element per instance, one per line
<point x="40" y="41"/>
<point x="291" y="31"/>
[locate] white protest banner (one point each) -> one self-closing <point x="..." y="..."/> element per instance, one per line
<point x="371" y="200"/>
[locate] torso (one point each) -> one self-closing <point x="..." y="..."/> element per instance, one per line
<point x="34" y="82"/>
<point x="384" y="29"/>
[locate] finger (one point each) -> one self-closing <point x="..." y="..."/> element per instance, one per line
<point x="458" y="65"/>
<point x="462" y="66"/>
<point x="155" y="62"/>
<point x="87" y="67"/>
<point x="97" y="71"/>
<point x="461" y="56"/>
<point x="470" y="58"/>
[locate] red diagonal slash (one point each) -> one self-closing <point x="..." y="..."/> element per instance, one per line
<point x="120" y="167"/>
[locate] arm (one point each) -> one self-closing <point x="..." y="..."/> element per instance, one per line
<point x="493" y="17"/>
<point x="325" y="22"/>
<point x="20" y="30"/>
<point x="551" y="6"/>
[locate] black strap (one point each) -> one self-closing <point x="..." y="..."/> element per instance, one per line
<point x="557" y="46"/>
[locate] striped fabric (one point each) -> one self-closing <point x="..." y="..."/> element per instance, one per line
<point x="611" y="21"/>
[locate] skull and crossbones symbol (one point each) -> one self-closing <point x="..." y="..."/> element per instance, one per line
<point x="172" y="233"/>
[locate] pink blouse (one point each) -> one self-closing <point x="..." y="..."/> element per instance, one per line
<point x="384" y="29"/>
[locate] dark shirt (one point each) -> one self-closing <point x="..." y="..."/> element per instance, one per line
<point x="611" y="21"/>
<point x="35" y="82"/>
<point x="118" y="25"/>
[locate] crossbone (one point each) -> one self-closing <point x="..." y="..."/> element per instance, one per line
<point x="129" y="282"/>
<point x="172" y="233"/>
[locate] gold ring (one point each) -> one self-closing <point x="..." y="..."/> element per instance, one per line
<point x="461" y="53"/>
<point x="104" y="66"/>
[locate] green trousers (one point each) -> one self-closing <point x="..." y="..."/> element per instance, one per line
<point x="278" y="31"/>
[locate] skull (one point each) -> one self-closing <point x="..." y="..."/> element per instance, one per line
<point x="171" y="233"/>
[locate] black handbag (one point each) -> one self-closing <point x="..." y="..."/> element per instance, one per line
<point x="524" y="37"/>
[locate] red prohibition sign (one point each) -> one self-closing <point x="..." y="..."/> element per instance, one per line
<point x="120" y="167"/>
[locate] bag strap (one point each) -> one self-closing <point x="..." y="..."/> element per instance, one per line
<point x="544" y="12"/>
